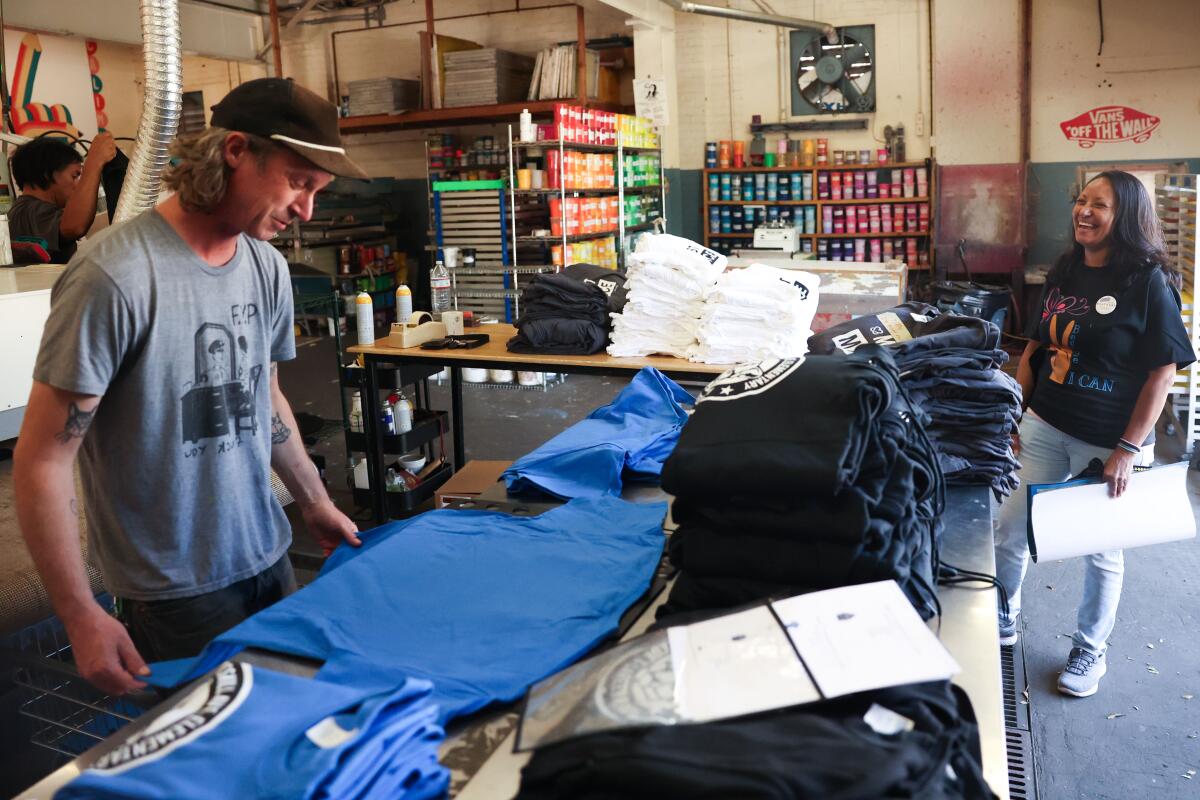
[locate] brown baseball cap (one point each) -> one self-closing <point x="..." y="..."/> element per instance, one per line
<point x="285" y="112"/>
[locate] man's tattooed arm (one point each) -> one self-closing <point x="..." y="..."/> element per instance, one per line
<point x="78" y="421"/>
<point x="279" y="430"/>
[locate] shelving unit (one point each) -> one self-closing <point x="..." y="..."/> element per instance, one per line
<point x="566" y="219"/>
<point x="1176" y="202"/>
<point x="429" y="426"/>
<point x="817" y="217"/>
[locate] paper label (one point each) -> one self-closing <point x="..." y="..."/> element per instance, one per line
<point x="886" y="722"/>
<point x="327" y="734"/>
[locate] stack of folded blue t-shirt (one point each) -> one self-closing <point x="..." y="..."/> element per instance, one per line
<point x="252" y="732"/>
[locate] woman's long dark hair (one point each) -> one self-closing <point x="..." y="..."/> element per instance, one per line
<point x="1136" y="242"/>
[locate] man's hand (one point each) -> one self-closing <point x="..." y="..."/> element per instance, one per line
<point x="105" y="655"/>
<point x="1117" y="470"/>
<point x="330" y="526"/>
<point x="1016" y="444"/>
<point x="102" y="151"/>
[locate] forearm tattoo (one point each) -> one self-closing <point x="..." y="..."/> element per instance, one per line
<point x="78" y="421"/>
<point x="279" y="430"/>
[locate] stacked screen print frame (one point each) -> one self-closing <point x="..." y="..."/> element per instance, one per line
<point x="620" y="190"/>
<point x="1176" y="201"/>
<point x="725" y="242"/>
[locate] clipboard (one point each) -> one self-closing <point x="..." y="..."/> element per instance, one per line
<point x="1078" y="518"/>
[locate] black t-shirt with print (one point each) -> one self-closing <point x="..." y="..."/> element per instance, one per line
<point x="1101" y="341"/>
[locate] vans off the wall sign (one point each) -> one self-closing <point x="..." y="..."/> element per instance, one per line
<point x="1108" y="124"/>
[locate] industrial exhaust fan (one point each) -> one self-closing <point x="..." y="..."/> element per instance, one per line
<point x="833" y="78"/>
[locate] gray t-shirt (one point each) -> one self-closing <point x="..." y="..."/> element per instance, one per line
<point x="32" y="216"/>
<point x="176" y="464"/>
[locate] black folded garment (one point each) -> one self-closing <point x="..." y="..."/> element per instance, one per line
<point x="559" y="336"/>
<point x="821" y="750"/>
<point x="610" y="281"/>
<point x="724" y="571"/>
<point x="783" y="427"/>
<point x="565" y="313"/>
<point x="908" y="329"/>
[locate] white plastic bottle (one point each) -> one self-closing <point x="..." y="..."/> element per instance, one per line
<point x="439" y="289"/>
<point x="526" y="126"/>
<point x="404" y="307"/>
<point x="365" y="311"/>
<point x="356" y="422"/>
<point x="402" y="412"/>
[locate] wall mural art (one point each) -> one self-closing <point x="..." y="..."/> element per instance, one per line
<point x="1108" y="124"/>
<point x="52" y="85"/>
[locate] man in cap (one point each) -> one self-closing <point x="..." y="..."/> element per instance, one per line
<point x="158" y="365"/>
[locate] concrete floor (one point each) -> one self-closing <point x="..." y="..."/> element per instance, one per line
<point x="1147" y="751"/>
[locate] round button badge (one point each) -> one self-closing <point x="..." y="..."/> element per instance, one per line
<point x="1106" y="304"/>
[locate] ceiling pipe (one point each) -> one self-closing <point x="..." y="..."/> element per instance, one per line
<point x="827" y="30"/>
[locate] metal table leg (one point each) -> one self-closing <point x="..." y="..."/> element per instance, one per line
<point x="374" y="436"/>
<point x="456" y="408"/>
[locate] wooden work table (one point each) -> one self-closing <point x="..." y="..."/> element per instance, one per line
<point x="492" y="355"/>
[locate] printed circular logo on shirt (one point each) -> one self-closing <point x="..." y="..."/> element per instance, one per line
<point x="749" y="379"/>
<point x="1106" y="304"/>
<point x="640" y="687"/>
<point x="202" y="710"/>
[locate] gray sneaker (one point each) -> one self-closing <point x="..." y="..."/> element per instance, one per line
<point x="1008" y="633"/>
<point x="1082" y="676"/>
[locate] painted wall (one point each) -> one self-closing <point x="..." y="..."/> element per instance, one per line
<point x="308" y="57"/>
<point x="121" y="75"/>
<point x="730" y="70"/>
<point x="976" y="74"/>
<point x="1149" y="62"/>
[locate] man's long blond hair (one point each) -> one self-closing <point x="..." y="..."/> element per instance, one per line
<point x="198" y="173"/>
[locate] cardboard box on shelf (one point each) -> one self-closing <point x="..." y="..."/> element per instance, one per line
<point x="466" y="484"/>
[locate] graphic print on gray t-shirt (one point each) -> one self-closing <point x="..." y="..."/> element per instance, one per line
<point x="220" y="401"/>
<point x="176" y="464"/>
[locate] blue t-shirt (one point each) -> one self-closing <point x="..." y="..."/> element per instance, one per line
<point x="255" y="733"/>
<point x="635" y="433"/>
<point x="480" y="603"/>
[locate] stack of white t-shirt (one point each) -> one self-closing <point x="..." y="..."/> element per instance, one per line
<point x="668" y="279"/>
<point x="756" y="313"/>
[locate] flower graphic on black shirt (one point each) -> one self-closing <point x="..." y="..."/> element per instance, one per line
<point x="1057" y="304"/>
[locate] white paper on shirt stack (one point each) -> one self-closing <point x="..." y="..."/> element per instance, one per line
<point x="754" y="314"/>
<point x="668" y="279"/>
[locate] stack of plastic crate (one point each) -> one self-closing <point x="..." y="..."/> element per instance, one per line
<point x="1175" y="200"/>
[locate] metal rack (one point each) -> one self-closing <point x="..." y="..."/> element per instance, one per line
<point x="1176" y="204"/>
<point x="67" y="714"/>
<point x="562" y="191"/>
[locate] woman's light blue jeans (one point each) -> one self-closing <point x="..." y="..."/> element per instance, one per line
<point x="1048" y="456"/>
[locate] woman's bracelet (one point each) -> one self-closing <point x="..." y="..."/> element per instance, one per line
<point x="1128" y="446"/>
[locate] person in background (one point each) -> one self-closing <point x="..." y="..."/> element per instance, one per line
<point x="158" y="367"/>
<point x="59" y="191"/>
<point x="1094" y="376"/>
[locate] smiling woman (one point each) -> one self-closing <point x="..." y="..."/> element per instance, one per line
<point x="1094" y="377"/>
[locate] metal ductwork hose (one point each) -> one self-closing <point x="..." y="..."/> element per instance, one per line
<point x="756" y="16"/>
<point x="162" y="107"/>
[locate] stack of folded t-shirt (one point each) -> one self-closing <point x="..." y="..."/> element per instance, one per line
<point x="795" y="475"/>
<point x="567" y="313"/>
<point x="668" y="279"/>
<point x="919" y="740"/>
<point x="246" y="731"/>
<point x="756" y="313"/>
<point x="950" y="366"/>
